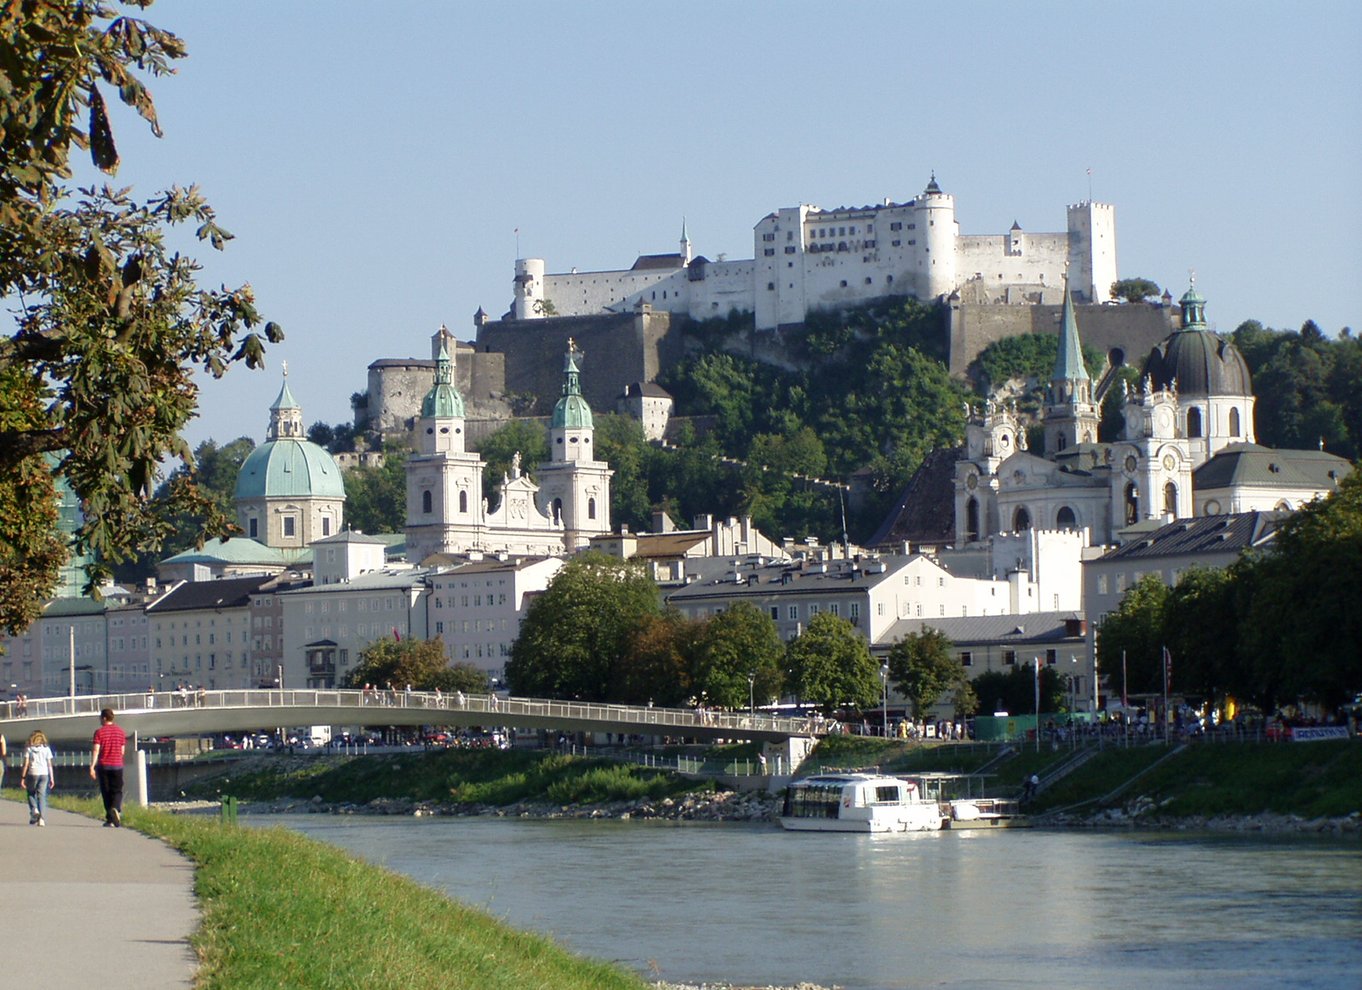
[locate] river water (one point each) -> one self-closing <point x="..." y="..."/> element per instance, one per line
<point x="1019" y="908"/>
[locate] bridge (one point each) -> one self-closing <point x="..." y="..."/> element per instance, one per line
<point x="153" y="714"/>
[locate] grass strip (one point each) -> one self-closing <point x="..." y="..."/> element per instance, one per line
<point x="282" y="910"/>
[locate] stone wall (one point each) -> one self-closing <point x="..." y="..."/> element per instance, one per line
<point x="1133" y="330"/>
<point x="617" y="349"/>
<point x="398" y="385"/>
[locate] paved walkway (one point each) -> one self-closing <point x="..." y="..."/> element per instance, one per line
<point x="88" y="906"/>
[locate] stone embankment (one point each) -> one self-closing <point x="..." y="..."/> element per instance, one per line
<point x="720" y="806"/>
<point x="1145" y="815"/>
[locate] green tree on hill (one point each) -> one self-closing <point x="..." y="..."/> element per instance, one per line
<point x="376" y="497"/>
<point x="1134" y="290"/>
<point x="923" y="669"/>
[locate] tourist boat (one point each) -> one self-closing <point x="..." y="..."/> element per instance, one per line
<point x="861" y="802"/>
<point x="985" y="813"/>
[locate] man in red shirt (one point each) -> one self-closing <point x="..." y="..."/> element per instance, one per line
<point x="106" y="766"/>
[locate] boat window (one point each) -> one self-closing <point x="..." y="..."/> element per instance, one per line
<point x="887" y="795"/>
<point x="813" y="801"/>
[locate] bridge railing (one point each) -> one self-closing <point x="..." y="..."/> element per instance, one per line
<point x="380" y="700"/>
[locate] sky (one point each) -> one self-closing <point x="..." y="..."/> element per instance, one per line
<point x="376" y="160"/>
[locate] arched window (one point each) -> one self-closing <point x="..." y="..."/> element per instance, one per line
<point x="1194" y="422"/>
<point x="1021" y="520"/>
<point x="463" y="501"/>
<point x="972" y="520"/>
<point x="1132" y="503"/>
<point x="557" y="510"/>
<point x="1170" y="499"/>
<point x="1234" y="422"/>
<point x="591" y="508"/>
<point x="1066" y="519"/>
<point x="426" y="501"/>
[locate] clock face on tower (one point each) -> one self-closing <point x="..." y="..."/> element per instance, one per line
<point x="1131" y="463"/>
<point x="1169" y="462"/>
<point x="972" y="482"/>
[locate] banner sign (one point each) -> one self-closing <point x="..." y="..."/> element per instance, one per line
<point x="1316" y="733"/>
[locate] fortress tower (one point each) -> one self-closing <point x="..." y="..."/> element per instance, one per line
<point x="1092" y="250"/>
<point x="935" y="272"/>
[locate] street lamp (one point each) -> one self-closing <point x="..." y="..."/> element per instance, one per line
<point x="884" y="700"/>
<point x="751" y="687"/>
<point x="1037" y="704"/>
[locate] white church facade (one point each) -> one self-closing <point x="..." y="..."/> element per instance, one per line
<point x="448" y="511"/>
<point x="806" y="258"/>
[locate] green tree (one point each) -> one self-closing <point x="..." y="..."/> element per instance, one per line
<point x="1133" y="636"/>
<point x="1300" y="624"/>
<point x="619" y="442"/>
<point x="740" y="642"/>
<point x="923" y="668"/>
<point x="829" y="665"/>
<point x="657" y="671"/>
<point x="576" y="636"/>
<point x="376" y="497"/>
<point x="111" y="325"/>
<point x="418" y="662"/>
<point x="1134" y="290"/>
<point x="1200" y="628"/>
<point x="1014" y="690"/>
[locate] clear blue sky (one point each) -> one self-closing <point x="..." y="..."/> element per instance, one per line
<point x="375" y="159"/>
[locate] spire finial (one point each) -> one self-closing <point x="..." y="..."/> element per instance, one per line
<point x="284" y="364"/>
<point x="1191" y="277"/>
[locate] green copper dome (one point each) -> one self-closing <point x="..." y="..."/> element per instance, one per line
<point x="443" y="401"/>
<point x="571" y="412"/>
<point x="289" y="468"/>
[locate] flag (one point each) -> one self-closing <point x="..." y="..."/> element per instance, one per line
<point x="397" y="635"/>
<point x="1167" y="669"/>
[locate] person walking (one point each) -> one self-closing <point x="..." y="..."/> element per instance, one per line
<point x="106" y="766"/>
<point x="37" y="776"/>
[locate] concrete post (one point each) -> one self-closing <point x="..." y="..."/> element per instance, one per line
<point x="139" y="777"/>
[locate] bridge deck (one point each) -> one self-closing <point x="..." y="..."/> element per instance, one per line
<point x="213" y="712"/>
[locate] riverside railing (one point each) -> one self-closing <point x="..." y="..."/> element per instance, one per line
<point x="672" y="721"/>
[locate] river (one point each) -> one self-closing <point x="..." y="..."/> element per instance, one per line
<point x="1020" y="908"/>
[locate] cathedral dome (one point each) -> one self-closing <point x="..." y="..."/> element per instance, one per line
<point x="288" y="465"/>
<point x="289" y="468"/>
<point x="1197" y="360"/>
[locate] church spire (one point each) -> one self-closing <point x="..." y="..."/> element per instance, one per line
<point x="1071" y="416"/>
<point x="1069" y="364"/>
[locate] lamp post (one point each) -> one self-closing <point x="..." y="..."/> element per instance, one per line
<point x="751" y="688"/>
<point x="884" y="700"/>
<point x="1037" y="704"/>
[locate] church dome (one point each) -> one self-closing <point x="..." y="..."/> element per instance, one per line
<point x="287" y="464"/>
<point x="1197" y="360"/>
<point x="443" y="401"/>
<point x="572" y="411"/>
<point x="289" y="468"/>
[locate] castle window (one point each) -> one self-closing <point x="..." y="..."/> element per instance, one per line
<point x="254" y="528"/>
<point x="844" y="283"/>
<point x="889" y="280"/>
<point x="1170" y="499"/>
<point x="1194" y="422"/>
<point x="288" y="526"/>
<point x="1021" y="520"/>
<point x="326" y="525"/>
<point x="895" y="243"/>
<point x="868" y="280"/>
<point x="770" y="287"/>
<point x="790" y="249"/>
<point x="1234" y="422"/>
<point x="769" y="252"/>
<point x="426" y="501"/>
<point x="463" y="501"/>
<point x="1066" y="519"/>
<point x="591" y="508"/>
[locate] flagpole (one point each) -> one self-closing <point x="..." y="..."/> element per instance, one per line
<point x="1167" y="660"/>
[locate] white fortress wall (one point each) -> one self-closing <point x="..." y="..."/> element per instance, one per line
<point x="726" y="286"/>
<point x="1003" y="260"/>
<point x="584" y="293"/>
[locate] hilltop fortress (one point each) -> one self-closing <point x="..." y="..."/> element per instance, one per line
<point x="629" y="322"/>
<point x="806" y="258"/>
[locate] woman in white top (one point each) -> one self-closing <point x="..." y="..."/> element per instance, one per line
<point x="37" y="776"/>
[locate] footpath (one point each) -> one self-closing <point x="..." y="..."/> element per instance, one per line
<point x="93" y="906"/>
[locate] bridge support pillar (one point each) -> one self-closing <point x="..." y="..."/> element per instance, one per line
<point x="783" y="757"/>
<point x="139" y="777"/>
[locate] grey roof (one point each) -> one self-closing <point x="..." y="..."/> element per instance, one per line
<point x="1251" y="464"/>
<point x="723" y="580"/>
<point x="1201" y="363"/>
<point x="1205" y="535"/>
<point x="645" y="262"/>
<point x="371" y="581"/>
<point x="227" y="593"/>
<point x="60" y="607"/>
<point x="351" y="536"/>
<point x="1033" y="627"/>
<point x="925" y="512"/>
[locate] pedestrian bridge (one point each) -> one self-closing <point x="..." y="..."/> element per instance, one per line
<point x="155" y="714"/>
